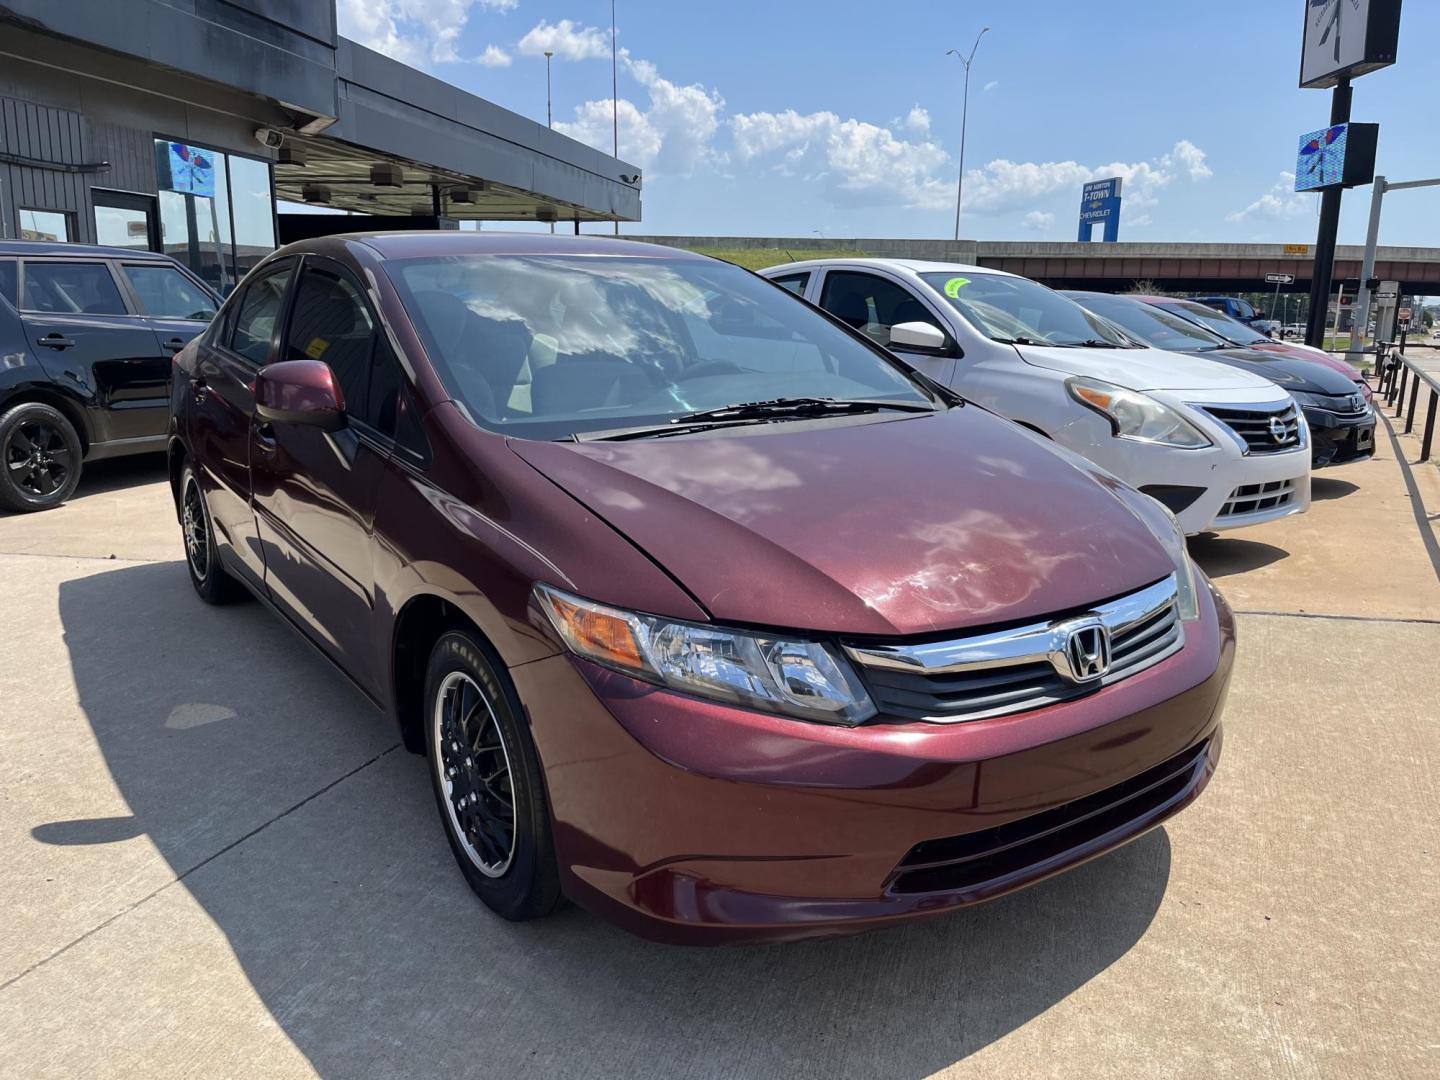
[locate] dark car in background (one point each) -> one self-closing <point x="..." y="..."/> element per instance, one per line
<point x="1246" y="336"/>
<point x="1238" y="309"/>
<point x="1342" y="423"/>
<point x="87" y="337"/>
<point x="709" y="613"/>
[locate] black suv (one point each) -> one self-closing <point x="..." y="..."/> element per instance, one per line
<point x="86" y="340"/>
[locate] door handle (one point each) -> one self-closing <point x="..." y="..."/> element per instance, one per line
<point x="175" y="344"/>
<point x="200" y="388"/>
<point x="265" y="437"/>
<point x="56" y="341"/>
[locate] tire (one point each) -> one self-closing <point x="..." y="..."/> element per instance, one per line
<point x="213" y="583"/>
<point x="468" y="702"/>
<point x="39" y="458"/>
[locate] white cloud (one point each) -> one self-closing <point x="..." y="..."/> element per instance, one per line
<point x="860" y="164"/>
<point x="991" y="85"/>
<point x="918" y="120"/>
<point x="1189" y="157"/>
<point x="413" y="31"/>
<point x="1280" y="203"/>
<point x="494" y="56"/>
<point x="674" y="134"/>
<point x="567" y="40"/>
<point x="1039" y="220"/>
<point x="1004" y="185"/>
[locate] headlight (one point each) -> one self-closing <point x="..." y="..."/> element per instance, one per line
<point x="1167" y="530"/>
<point x="797" y="678"/>
<point x="1134" y="415"/>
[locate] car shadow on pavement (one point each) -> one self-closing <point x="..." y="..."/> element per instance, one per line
<point x="1222" y="556"/>
<point x="281" y="799"/>
<point x="1323" y="488"/>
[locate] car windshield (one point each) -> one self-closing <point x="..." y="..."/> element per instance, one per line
<point x="553" y="346"/>
<point x="1016" y="309"/>
<point x="1156" y="328"/>
<point x="1222" y="324"/>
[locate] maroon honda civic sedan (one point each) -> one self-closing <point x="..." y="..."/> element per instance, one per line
<point x="710" y="614"/>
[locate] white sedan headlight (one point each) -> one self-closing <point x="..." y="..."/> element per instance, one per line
<point x="1138" y="416"/>
<point x="803" y="679"/>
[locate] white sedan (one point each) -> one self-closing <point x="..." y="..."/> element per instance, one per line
<point x="1220" y="447"/>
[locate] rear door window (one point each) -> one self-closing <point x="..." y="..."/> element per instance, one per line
<point x="71" y="288"/>
<point x="256" y="316"/>
<point x="165" y="292"/>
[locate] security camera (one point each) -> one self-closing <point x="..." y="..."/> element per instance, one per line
<point x="630" y="178"/>
<point x="269" y="138"/>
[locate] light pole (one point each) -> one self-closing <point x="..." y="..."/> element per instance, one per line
<point x="549" y="113"/>
<point x="964" y="116"/>
<point x="614" y="98"/>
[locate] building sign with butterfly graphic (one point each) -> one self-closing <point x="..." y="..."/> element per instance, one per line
<point x="1346" y="38"/>
<point x="1342" y="155"/>
<point x="184" y="168"/>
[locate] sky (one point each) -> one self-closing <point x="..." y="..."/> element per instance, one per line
<point x="842" y="119"/>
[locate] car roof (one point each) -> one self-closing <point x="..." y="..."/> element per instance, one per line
<point x="89" y="251"/>
<point x="919" y="266"/>
<point x="421" y="243"/>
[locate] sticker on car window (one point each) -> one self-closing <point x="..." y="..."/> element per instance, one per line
<point x="316" y="348"/>
<point x="954" y="285"/>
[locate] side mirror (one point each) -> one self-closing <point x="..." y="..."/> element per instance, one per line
<point x="299" y="392"/>
<point x="916" y="335"/>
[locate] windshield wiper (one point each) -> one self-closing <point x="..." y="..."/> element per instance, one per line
<point x="748" y="413"/>
<point x="1020" y="341"/>
<point x="799" y="406"/>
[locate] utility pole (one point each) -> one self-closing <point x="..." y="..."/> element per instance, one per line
<point x="549" y="111"/>
<point x="614" y="98"/>
<point x="964" y="117"/>
<point x="1324" y="271"/>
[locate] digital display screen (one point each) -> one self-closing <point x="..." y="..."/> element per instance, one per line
<point x="1321" y="161"/>
<point x="192" y="170"/>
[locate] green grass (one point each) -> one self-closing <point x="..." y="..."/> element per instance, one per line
<point x="760" y="258"/>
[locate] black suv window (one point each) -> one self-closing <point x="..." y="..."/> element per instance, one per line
<point x="7" y="280"/>
<point x="332" y="322"/>
<point x="71" y="288"/>
<point x="166" y="292"/>
<point x="871" y="304"/>
<point x="256" y="314"/>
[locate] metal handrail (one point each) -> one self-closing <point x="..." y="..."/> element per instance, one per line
<point x="1397" y="374"/>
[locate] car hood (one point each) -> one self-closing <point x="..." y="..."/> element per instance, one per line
<point x="1305" y="352"/>
<point x="883" y="526"/>
<point x="1288" y="372"/>
<point x="1142" y="369"/>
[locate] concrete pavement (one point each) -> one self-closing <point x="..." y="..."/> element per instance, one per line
<point x="219" y="864"/>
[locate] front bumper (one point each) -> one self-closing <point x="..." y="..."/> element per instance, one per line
<point x="1336" y="438"/>
<point x="693" y="822"/>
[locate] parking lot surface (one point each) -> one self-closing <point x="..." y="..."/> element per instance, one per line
<point x="220" y="863"/>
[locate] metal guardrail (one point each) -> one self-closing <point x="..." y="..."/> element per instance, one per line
<point x="1398" y="375"/>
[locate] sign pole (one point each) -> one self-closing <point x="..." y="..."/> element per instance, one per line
<point x="1367" y="271"/>
<point x="1323" y="273"/>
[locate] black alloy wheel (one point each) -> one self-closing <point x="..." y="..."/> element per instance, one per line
<point x="39" y="458"/>
<point x="212" y="581"/>
<point x="486" y="776"/>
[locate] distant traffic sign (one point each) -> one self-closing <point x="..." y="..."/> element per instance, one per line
<point x="1280" y="279"/>
<point x="1297" y="249"/>
<point x="1388" y="295"/>
<point x="1404" y="314"/>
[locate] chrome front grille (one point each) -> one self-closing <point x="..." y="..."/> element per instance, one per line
<point x="1261" y="431"/>
<point x="1028" y="667"/>
<point x="1252" y="498"/>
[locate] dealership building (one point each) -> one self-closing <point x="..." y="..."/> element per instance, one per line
<point x="180" y="125"/>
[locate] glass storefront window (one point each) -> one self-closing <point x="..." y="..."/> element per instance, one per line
<point x="44" y="225"/>
<point x="118" y="226"/>
<point x="219" y="237"/>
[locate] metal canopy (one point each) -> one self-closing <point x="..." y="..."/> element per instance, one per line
<point x="345" y="171"/>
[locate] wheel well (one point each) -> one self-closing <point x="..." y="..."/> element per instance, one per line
<point x="420" y="624"/>
<point x="175" y="454"/>
<point x="69" y="409"/>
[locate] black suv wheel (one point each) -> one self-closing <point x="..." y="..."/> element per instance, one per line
<point x="39" y="457"/>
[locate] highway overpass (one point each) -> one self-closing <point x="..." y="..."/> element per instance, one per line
<point x="1113" y="267"/>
